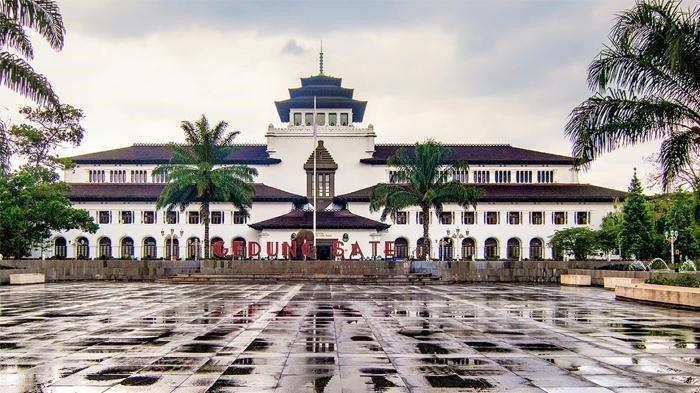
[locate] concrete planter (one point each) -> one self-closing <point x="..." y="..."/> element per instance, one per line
<point x="612" y="282"/>
<point x="27" y="278"/>
<point x="580" y="280"/>
<point x="662" y="294"/>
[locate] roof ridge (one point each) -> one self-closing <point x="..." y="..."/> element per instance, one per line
<point x="451" y="144"/>
<point x="157" y="144"/>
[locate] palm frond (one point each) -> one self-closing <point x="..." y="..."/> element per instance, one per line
<point x="675" y="155"/>
<point x="641" y="75"/>
<point x="12" y="35"/>
<point x="604" y="123"/>
<point x="44" y="16"/>
<point x="18" y="75"/>
<point x="391" y="198"/>
<point x="456" y="192"/>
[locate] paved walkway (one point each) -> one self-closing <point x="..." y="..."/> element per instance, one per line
<point x="115" y="337"/>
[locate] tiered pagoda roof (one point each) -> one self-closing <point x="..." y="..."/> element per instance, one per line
<point x="329" y="95"/>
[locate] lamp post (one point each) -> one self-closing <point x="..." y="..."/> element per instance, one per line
<point x="671" y="236"/>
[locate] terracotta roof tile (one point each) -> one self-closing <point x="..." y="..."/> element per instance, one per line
<point x="478" y="155"/>
<point x="336" y="219"/>
<point x="149" y="192"/>
<point x="569" y="192"/>
<point x="158" y="154"/>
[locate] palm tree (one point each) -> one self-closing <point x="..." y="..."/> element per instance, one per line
<point x="422" y="180"/>
<point x="648" y="88"/>
<point x="197" y="174"/>
<point x="44" y="17"/>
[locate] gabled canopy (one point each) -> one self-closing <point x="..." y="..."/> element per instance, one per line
<point x="324" y="160"/>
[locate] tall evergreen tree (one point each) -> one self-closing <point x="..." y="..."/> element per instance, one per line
<point x="679" y="217"/>
<point x="637" y="225"/>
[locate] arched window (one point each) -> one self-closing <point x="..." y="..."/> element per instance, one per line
<point x="513" y="246"/>
<point x="127" y="248"/>
<point x="491" y="248"/>
<point x="150" y="251"/>
<point x="104" y="248"/>
<point x="213" y="241"/>
<point x="193" y="248"/>
<point x="468" y="248"/>
<point x="421" y="249"/>
<point x="59" y="247"/>
<point x="172" y="248"/>
<point x="244" y="249"/>
<point x="536" y="249"/>
<point x="445" y="248"/>
<point x="401" y="248"/>
<point x="82" y="248"/>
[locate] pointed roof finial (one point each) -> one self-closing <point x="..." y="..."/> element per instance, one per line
<point x="320" y="59"/>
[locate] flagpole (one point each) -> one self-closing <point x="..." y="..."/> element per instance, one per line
<point x="314" y="179"/>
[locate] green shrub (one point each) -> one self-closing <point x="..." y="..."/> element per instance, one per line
<point x="681" y="280"/>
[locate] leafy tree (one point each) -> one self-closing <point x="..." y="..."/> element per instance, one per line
<point x="197" y="173"/>
<point x="578" y="241"/>
<point x="637" y="226"/>
<point x="679" y="217"/>
<point x="608" y="236"/>
<point x="648" y="88"/>
<point x="423" y="181"/>
<point x="49" y="128"/>
<point x="42" y="16"/>
<point x="31" y="207"/>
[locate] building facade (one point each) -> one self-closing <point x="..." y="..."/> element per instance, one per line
<point x="527" y="195"/>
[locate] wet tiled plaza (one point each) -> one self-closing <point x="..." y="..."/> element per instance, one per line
<point x="117" y="337"/>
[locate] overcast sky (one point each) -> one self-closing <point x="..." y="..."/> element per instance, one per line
<point x="459" y="72"/>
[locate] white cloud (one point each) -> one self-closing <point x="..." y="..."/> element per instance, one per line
<point x="450" y="74"/>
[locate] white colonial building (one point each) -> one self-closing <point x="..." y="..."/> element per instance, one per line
<point x="527" y="195"/>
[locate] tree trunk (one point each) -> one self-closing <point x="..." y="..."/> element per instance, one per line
<point x="426" y="231"/>
<point x="205" y="213"/>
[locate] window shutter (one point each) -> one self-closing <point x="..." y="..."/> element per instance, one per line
<point x="110" y="216"/>
<point x="143" y="221"/>
<point x="520" y="214"/>
<point x="498" y="218"/>
<point x="566" y="217"/>
<point x="529" y="217"/>
<point x="553" y="218"/>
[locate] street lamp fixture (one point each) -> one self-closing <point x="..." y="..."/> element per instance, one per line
<point x="671" y="237"/>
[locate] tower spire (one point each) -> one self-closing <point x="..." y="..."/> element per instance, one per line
<point x="320" y="59"/>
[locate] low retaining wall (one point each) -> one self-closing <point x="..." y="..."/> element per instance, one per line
<point x="76" y="270"/>
<point x="456" y="271"/>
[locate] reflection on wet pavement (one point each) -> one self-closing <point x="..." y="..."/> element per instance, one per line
<point x="113" y="337"/>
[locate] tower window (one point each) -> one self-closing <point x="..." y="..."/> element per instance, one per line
<point x="332" y="119"/>
<point x="320" y="119"/>
<point x="344" y="119"/>
<point x="308" y="119"/>
<point x="297" y="118"/>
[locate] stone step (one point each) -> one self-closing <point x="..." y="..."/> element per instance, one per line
<point x="354" y="279"/>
